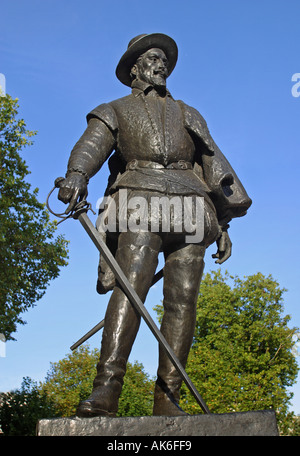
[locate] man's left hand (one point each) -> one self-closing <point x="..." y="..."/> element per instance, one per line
<point x="224" y="248"/>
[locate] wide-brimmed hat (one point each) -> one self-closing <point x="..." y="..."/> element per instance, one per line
<point x="141" y="44"/>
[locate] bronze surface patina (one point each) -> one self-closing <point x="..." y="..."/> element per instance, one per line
<point x="158" y="149"/>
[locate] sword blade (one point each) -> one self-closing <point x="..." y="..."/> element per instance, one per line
<point x="100" y="325"/>
<point x="89" y="334"/>
<point x="138" y="305"/>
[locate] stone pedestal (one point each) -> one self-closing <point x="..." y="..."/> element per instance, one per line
<point x="258" y="423"/>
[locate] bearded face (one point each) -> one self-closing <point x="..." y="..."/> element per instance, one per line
<point x="151" y="67"/>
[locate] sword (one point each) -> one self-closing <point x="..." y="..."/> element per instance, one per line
<point x="80" y="213"/>
<point x="100" y="325"/>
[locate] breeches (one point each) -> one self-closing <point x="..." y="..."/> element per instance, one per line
<point x="205" y="234"/>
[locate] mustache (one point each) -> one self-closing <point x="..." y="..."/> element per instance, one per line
<point x="161" y="72"/>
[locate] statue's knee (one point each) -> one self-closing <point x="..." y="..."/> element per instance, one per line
<point x="181" y="296"/>
<point x="187" y="273"/>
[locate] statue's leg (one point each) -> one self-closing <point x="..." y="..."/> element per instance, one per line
<point x="137" y="255"/>
<point x="182" y="275"/>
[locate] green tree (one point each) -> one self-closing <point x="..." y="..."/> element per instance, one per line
<point x="21" y="409"/>
<point x="242" y="354"/>
<point x="30" y="255"/>
<point x="137" y="393"/>
<point x="70" y="380"/>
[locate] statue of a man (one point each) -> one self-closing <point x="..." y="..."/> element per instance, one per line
<point x="162" y="148"/>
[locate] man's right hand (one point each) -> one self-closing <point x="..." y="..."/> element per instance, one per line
<point x="71" y="188"/>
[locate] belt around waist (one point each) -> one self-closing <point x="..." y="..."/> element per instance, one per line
<point x="135" y="164"/>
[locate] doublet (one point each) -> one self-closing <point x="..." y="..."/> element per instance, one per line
<point x="160" y="145"/>
<point x="151" y="128"/>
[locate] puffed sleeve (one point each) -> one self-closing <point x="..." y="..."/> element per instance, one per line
<point x="97" y="142"/>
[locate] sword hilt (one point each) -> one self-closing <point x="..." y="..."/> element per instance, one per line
<point x="79" y="208"/>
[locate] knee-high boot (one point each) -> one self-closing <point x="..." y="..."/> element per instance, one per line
<point x="182" y="276"/>
<point x="138" y="261"/>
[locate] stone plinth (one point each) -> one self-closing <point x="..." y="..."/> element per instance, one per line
<point x="257" y="423"/>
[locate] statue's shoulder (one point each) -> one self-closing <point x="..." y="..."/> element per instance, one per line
<point x="191" y="114"/>
<point x="108" y="112"/>
<point x="196" y="124"/>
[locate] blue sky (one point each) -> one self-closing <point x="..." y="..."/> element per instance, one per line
<point x="236" y="62"/>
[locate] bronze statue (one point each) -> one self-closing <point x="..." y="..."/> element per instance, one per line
<point x="162" y="148"/>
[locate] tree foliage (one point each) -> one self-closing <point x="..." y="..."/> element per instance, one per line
<point x="70" y="380"/>
<point x="21" y="409"/>
<point x="242" y="359"/>
<point x="242" y="355"/>
<point x="137" y="393"/>
<point x="30" y="255"/>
